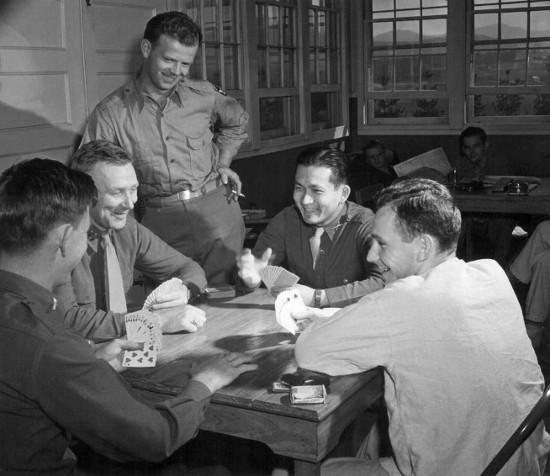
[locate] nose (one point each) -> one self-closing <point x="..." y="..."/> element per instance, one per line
<point x="176" y="69"/>
<point x="373" y="254"/>
<point x="306" y="199"/>
<point x="130" y="198"/>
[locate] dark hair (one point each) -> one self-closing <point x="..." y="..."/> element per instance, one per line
<point x="423" y="206"/>
<point x="36" y="196"/>
<point x="470" y="132"/>
<point x="99" y="151"/>
<point x="333" y="159"/>
<point x="175" y="24"/>
<point x="372" y="144"/>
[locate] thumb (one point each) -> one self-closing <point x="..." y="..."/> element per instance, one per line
<point x="131" y="345"/>
<point x="266" y="255"/>
<point x="301" y="314"/>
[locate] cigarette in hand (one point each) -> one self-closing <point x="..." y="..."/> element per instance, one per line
<point x="236" y="193"/>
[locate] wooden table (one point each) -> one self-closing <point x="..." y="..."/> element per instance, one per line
<point x="485" y="201"/>
<point x="246" y="408"/>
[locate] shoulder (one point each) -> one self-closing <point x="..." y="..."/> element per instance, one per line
<point x="117" y="97"/>
<point x="359" y="213"/>
<point x="203" y="86"/>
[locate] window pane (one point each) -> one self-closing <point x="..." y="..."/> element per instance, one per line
<point x="262" y="67"/>
<point x="288" y="67"/>
<point x="323" y="67"/>
<point x="513" y="25"/>
<point x="312" y="67"/>
<point x="210" y="21"/>
<point x="394" y="108"/>
<point x="321" y="29"/>
<point x="229" y="11"/>
<point x="486" y="27"/>
<point x="288" y="27"/>
<point x="539" y="67"/>
<point x="434" y="72"/>
<point x="274" y="68"/>
<point x="212" y="64"/>
<point x="406" y="73"/>
<point x="334" y="67"/>
<point x="382" y="35"/>
<point x="231" y="64"/>
<point x="260" y="21"/>
<point x="511" y="105"/>
<point x="540" y="24"/>
<point x="485" y="68"/>
<point x="382" y="71"/>
<point x="278" y="117"/>
<point x="434" y="31"/>
<point x="311" y="22"/>
<point x="325" y="111"/>
<point x="273" y="22"/>
<point x="407" y="32"/>
<point x="512" y="67"/>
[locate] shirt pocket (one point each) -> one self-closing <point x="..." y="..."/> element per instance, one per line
<point x="143" y="161"/>
<point x="201" y="154"/>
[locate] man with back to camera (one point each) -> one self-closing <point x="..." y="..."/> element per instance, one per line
<point x="339" y="274"/>
<point x="52" y="385"/>
<point x="164" y="120"/>
<point x="86" y="297"/>
<point x="460" y="372"/>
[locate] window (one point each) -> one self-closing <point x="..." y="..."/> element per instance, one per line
<point x="283" y="60"/>
<point x="435" y="65"/>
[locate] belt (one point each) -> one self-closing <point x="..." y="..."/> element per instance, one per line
<point x="183" y="196"/>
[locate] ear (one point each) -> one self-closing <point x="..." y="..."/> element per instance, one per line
<point x="346" y="190"/>
<point x="64" y="233"/>
<point x="426" y="247"/>
<point x="146" y="48"/>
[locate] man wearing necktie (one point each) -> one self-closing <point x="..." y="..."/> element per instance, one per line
<point x="117" y="245"/>
<point x="323" y="238"/>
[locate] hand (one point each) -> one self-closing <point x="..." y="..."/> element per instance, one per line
<point x="311" y="314"/>
<point x="231" y="177"/>
<point x="249" y="266"/>
<point x="174" y="298"/>
<point x="184" y="318"/>
<point x="112" y="351"/>
<point x="221" y="370"/>
<point x="307" y="293"/>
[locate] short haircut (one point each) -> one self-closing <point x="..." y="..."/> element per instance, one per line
<point x="96" y="151"/>
<point x="333" y="159"/>
<point x="36" y="196"/>
<point x="174" y="24"/>
<point x="372" y="144"/>
<point x="423" y="206"/>
<point x="471" y="132"/>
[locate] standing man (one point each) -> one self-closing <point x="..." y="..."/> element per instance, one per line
<point x="91" y="309"/>
<point x="165" y="121"/>
<point x="323" y="238"/>
<point x="460" y="371"/>
<point x="52" y="385"/>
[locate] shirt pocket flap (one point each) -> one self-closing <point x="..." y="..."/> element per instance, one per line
<point x="198" y="143"/>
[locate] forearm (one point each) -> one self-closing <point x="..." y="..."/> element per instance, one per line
<point x="347" y="294"/>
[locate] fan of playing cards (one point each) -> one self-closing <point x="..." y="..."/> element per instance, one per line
<point x="287" y="302"/>
<point x="277" y="276"/>
<point x="163" y="289"/>
<point x="143" y="326"/>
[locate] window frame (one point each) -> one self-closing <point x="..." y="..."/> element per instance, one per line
<point x="459" y="70"/>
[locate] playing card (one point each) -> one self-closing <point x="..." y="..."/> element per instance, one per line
<point x="142" y="326"/>
<point x="161" y="290"/>
<point x="287" y="302"/>
<point x="277" y="276"/>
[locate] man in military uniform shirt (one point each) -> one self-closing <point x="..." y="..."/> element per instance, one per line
<point x="165" y="121"/>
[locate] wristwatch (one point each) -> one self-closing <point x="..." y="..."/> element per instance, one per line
<point x="318" y="297"/>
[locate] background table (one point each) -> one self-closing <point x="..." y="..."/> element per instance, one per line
<point x="485" y="201"/>
<point x="247" y="408"/>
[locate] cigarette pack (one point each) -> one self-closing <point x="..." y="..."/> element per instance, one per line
<point x="280" y="387"/>
<point x="308" y="394"/>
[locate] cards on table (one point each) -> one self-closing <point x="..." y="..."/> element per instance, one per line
<point x="287" y="302"/>
<point x="277" y="276"/>
<point x="142" y="326"/>
<point x="161" y="290"/>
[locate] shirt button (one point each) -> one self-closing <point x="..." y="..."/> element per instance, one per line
<point x="167" y="137"/>
<point x="172" y="161"/>
<point x="345" y="281"/>
<point x="321" y="251"/>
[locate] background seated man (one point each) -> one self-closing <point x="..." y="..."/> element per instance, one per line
<point x="474" y="163"/>
<point x="52" y="386"/>
<point x="450" y="338"/>
<point x="532" y="265"/>
<point x="86" y="296"/>
<point x="373" y="167"/>
<point x="338" y="274"/>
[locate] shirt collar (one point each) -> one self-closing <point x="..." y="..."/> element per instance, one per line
<point x="36" y="296"/>
<point x="94" y="233"/>
<point x="337" y="223"/>
<point x="140" y="95"/>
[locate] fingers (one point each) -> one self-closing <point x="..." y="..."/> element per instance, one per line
<point x="130" y="345"/>
<point x="267" y="255"/>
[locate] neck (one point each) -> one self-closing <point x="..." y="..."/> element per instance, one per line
<point x="148" y="88"/>
<point x="336" y="219"/>
<point x="31" y="266"/>
<point x="435" y="261"/>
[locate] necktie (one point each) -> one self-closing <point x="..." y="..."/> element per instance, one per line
<point x="315" y="244"/>
<point x="114" y="287"/>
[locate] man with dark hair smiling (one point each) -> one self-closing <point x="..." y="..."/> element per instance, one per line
<point x="337" y="273"/>
<point x="53" y="386"/>
<point x="460" y="372"/>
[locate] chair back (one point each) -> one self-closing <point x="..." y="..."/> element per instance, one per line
<point x="523" y="432"/>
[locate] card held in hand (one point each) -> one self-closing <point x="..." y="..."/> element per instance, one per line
<point x="160" y="291"/>
<point x="277" y="276"/>
<point x="142" y="326"/>
<point x="287" y="302"/>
